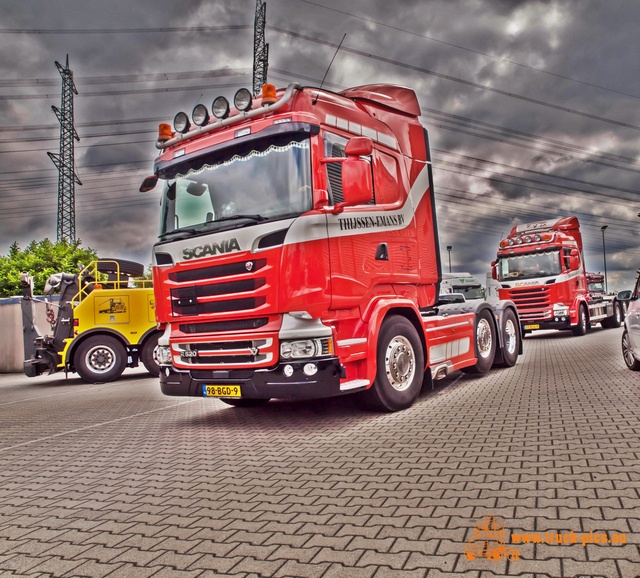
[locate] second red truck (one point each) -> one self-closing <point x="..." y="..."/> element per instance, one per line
<point x="540" y="267"/>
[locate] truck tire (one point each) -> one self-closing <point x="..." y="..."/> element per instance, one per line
<point x="400" y="367"/>
<point x="147" y="354"/>
<point x="129" y="268"/>
<point x="100" y="358"/>
<point x="581" y="328"/>
<point x="484" y="344"/>
<point x="616" y="320"/>
<point x="510" y="339"/>
<point x="627" y="352"/>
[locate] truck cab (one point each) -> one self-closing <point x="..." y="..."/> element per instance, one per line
<point x="540" y="266"/>
<point x="298" y="253"/>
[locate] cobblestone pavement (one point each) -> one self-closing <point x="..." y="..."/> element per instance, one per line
<point x="117" y="480"/>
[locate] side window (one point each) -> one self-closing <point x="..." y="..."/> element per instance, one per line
<point x="334" y="147"/>
<point x="386" y="181"/>
<point x="566" y="254"/>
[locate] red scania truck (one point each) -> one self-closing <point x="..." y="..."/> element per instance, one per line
<point x="298" y="253"/>
<point x="540" y="267"/>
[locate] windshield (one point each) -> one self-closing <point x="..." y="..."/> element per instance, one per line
<point x="529" y="266"/>
<point x="469" y="291"/>
<point x="238" y="187"/>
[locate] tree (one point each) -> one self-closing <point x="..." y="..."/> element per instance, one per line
<point x="40" y="259"/>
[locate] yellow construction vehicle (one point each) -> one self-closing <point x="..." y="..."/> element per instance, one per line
<point x="105" y="322"/>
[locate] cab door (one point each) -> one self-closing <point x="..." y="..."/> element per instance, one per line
<point x="358" y="246"/>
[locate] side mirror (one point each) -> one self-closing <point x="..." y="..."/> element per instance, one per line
<point x="359" y="146"/>
<point x="574" y="260"/>
<point x="494" y="270"/>
<point x="356" y="182"/>
<point x="149" y="184"/>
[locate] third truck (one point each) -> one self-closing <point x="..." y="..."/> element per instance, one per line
<point x="540" y="267"/>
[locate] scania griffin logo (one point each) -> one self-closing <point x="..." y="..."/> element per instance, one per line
<point x="226" y="246"/>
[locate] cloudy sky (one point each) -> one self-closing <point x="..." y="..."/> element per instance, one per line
<point x="532" y="106"/>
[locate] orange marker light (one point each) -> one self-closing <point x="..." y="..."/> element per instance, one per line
<point x="268" y="94"/>
<point x="164" y="132"/>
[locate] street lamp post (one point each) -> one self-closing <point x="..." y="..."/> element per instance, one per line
<point x="449" y="247"/>
<point x="604" y="258"/>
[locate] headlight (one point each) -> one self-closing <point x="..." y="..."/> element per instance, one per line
<point x="306" y="348"/>
<point x="560" y="309"/>
<point x="163" y="355"/>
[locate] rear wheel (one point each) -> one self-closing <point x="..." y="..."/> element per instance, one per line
<point x="627" y="352"/>
<point x="400" y="366"/>
<point x="511" y="338"/>
<point x="147" y="355"/>
<point x="100" y="358"/>
<point x="485" y="344"/>
<point x="581" y="328"/>
<point x="616" y="320"/>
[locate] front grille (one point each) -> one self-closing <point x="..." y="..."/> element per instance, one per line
<point x="240" y="268"/>
<point x="247" y="352"/>
<point x="224" y="314"/>
<point x="533" y="303"/>
<point x="231" y="288"/>
<point x="233" y="325"/>
<point x="196" y="308"/>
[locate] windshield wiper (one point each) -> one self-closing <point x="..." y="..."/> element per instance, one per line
<point x="247" y="216"/>
<point x="179" y="233"/>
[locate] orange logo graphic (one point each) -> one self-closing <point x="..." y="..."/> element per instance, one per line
<point x="489" y="540"/>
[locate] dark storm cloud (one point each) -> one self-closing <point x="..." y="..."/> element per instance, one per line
<point x="513" y="92"/>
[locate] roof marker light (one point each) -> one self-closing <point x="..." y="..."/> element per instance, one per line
<point x="268" y="94"/>
<point x="164" y="132"/>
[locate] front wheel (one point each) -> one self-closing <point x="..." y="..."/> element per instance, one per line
<point x="400" y="366"/>
<point x="100" y="358"/>
<point x="627" y="352"/>
<point x="485" y="344"/>
<point x="581" y="328"/>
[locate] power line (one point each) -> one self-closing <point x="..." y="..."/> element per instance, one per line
<point x="128" y="78"/>
<point x="497" y="58"/>
<point x="462" y="81"/>
<point x="43" y="31"/>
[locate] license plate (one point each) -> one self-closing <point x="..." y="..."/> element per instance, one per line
<point x="532" y="326"/>
<point x="221" y="391"/>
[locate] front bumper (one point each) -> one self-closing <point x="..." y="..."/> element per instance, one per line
<point x="546" y="324"/>
<point x="261" y="383"/>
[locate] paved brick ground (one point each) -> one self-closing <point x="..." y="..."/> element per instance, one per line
<point x="120" y="481"/>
